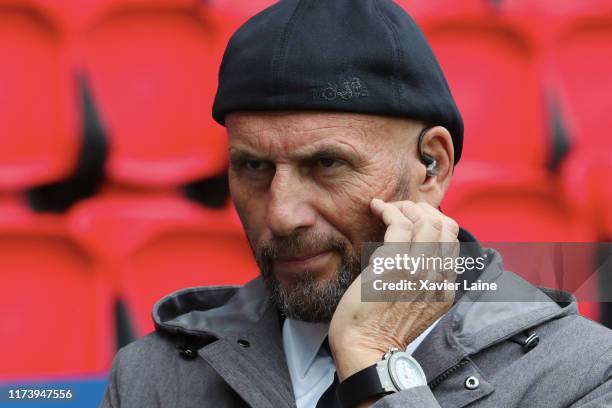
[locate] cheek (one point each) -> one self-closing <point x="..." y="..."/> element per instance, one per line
<point x="348" y="202"/>
<point x="347" y="208"/>
<point x="251" y="211"/>
<point x="353" y="193"/>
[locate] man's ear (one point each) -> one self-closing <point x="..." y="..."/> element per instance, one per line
<point x="436" y="164"/>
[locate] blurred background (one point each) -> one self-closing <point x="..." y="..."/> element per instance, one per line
<point x="113" y="186"/>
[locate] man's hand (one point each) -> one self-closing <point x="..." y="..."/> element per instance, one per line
<point x="360" y="333"/>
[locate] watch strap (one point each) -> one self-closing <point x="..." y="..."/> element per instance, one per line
<point x="361" y="386"/>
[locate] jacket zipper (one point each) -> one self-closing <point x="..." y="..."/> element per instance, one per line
<point x="438" y="380"/>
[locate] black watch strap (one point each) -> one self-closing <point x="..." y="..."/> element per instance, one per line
<point x="360" y="387"/>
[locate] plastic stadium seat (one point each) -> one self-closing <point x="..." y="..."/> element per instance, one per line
<point x="38" y="143"/>
<point x="506" y="205"/>
<point x="56" y="306"/>
<point x="153" y="68"/>
<point x="163" y="243"/>
<point x="546" y="19"/>
<point x="510" y="205"/>
<point x="581" y="62"/>
<point x="587" y="177"/>
<point x="493" y="74"/>
<point x="68" y="14"/>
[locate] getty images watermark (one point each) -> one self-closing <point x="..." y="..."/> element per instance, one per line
<point x="431" y="271"/>
<point x="415" y="265"/>
<point x="420" y="271"/>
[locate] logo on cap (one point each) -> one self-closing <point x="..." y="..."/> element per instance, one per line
<point x="345" y="89"/>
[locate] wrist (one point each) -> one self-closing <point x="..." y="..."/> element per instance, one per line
<point x="350" y="360"/>
<point x="396" y="371"/>
<point x="353" y="353"/>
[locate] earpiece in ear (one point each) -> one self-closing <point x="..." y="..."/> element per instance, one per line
<point x="432" y="169"/>
<point x="431" y="164"/>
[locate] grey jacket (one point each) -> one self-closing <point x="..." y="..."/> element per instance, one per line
<point x="222" y="347"/>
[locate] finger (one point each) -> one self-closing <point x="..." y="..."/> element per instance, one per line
<point x="447" y="235"/>
<point x="416" y="211"/>
<point x="450" y="250"/>
<point x="428" y="230"/>
<point x="387" y="212"/>
<point x="425" y="216"/>
<point x="399" y="232"/>
<point x="450" y="224"/>
<point x="410" y="210"/>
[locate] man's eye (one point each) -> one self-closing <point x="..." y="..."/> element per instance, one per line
<point x="328" y="162"/>
<point x="256" y="165"/>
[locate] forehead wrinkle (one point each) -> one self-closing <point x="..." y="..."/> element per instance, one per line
<point x="310" y="149"/>
<point x="284" y="133"/>
<point x="278" y="142"/>
<point x="332" y="146"/>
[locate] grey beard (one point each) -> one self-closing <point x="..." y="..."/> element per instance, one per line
<point x="307" y="298"/>
<point x="312" y="300"/>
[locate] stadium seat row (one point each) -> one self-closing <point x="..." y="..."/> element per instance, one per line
<point x="151" y="66"/>
<point x="64" y="276"/>
<point x="531" y="85"/>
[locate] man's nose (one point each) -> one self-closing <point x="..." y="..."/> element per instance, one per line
<point x="289" y="208"/>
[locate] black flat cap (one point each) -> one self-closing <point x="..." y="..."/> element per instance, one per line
<point x="359" y="56"/>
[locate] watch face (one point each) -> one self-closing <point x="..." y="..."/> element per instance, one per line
<point x="405" y="372"/>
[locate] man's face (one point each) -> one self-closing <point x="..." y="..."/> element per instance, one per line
<point x="302" y="185"/>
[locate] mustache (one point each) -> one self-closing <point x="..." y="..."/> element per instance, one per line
<point x="297" y="245"/>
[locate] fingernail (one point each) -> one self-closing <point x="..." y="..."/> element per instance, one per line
<point x="377" y="201"/>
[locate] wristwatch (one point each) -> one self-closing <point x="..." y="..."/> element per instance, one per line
<point x="397" y="371"/>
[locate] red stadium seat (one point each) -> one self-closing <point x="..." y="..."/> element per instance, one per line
<point x="582" y="60"/>
<point x="153" y="68"/>
<point x="506" y="204"/>
<point x="39" y="142"/>
<point x="493" y="72"/>
<point x="587" y="177"/>
<point x="56" y="306"/>
<point x="162" y="243"/>
<point x="581" y="63"/>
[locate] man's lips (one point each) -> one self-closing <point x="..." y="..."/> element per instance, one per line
<point x="296" y="263"/>
<point x="300" y="258"/>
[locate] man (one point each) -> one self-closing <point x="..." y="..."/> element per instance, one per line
<point x="342" y="131"/>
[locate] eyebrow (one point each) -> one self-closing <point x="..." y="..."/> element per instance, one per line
<point x="239" y="154"/>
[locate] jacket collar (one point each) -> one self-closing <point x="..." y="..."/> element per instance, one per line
<point x="247" y="348"/>
<point x="216" y="311"/>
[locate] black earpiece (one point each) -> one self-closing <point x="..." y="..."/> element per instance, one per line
<point x="430" y="163"/>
